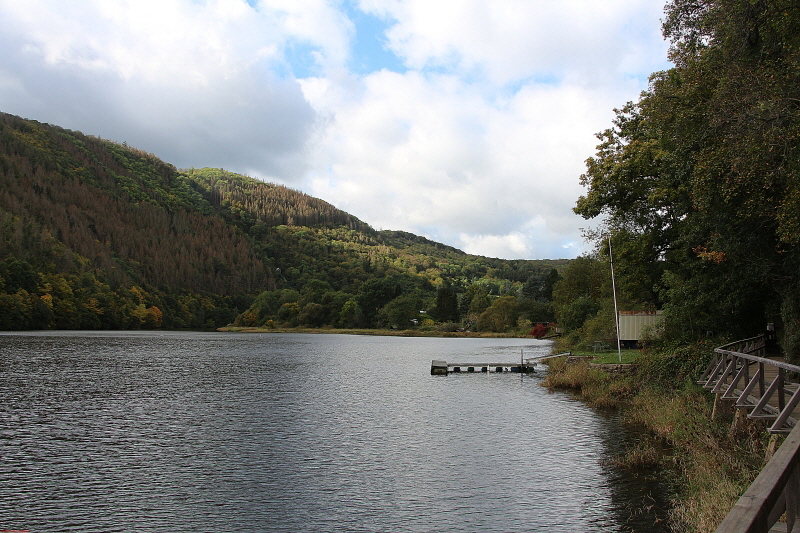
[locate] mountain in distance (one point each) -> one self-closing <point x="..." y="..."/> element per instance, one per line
<point x="97" y="234"/>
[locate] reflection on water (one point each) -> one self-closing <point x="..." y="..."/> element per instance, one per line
<point x="230" y="432"/>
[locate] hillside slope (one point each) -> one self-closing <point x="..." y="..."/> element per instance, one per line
<point x="94" y="234"/>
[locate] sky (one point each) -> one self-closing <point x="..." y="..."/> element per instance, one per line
<point x="465" y="121"/>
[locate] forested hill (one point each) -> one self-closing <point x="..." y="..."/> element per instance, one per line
<point x="267" y="204"/>
<point x="96" y="234"/>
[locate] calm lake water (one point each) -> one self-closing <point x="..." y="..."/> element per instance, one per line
<point x="219" y="432"/>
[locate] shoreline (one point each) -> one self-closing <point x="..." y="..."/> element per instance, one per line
<point x="379" y="332"/>
<point x="696" y="450"/>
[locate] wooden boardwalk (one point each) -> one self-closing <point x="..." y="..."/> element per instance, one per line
<point x="768" y="389"/>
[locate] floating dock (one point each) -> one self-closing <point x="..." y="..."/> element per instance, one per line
<point x="443" y="367"/>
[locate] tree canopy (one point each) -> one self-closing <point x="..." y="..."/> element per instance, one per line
<point x="698" y="181"/>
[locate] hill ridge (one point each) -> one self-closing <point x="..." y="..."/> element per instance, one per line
<point x="98" y="234"/>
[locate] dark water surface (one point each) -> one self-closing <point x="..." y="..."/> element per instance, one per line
<point x="218" y="432"/>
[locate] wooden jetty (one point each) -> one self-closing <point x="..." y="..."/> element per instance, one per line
<point x="525" y="365"/>
<point x="551" y="356"/>
<point x="444" y="368"/>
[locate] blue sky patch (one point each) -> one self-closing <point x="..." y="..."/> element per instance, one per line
<point x="370" y="51"/>
<point x="300" y="56"/>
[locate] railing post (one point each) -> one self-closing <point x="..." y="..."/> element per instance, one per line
<point x="777" y="510"/>
<point x="791" y="494"/>
<point x="708" y="374"/>
<point x="746" y="371"/>
<point x="781" y="398"/>
<point x="743" y="398"/>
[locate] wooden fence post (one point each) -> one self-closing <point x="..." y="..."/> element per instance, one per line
<point x="792" y="494"/>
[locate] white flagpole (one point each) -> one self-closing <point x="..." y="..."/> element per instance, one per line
<point x="614" y="290"/>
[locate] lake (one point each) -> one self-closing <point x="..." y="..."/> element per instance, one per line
<point x="227" y="432"/>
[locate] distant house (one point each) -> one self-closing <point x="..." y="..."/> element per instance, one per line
<point x="631" y="324"/>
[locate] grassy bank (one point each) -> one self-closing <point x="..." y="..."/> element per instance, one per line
<point x="709" y="462"/>
<point x="613" y="356"/>
<point x="383" y="332"/>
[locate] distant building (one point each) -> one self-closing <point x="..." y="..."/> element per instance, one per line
<point x="631" y="324"/>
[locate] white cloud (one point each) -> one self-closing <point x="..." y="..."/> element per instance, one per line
<point x="443" y="160"/>
<point x="513" y="40"/>
<point x="512" y="246"/>
<point x="478" y="143"/>
<point x="170" y="43"/>
<point x="196" y="83"/>
<point x="485" y="137"/>
<point x="316" y="22"/>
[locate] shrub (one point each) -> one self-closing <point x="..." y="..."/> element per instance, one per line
<point x="540" y="330"/>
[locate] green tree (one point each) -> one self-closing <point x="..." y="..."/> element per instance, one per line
<point x="581" y="291"/>
<point x="314" y="290"/>
<point x="288" y="313"/>
<point x="584" y="277"/>
<point x="573" y="314"/>
<point x="480" y="302"/>
<point x="500" y="316"/>
<point x="375" y="293"/>
<point x="19" y="275"/>
<point x="402" y="312"/>
<point x="351" y="315"/>
<point x="17" y="311"/>
<point x="537" y="311"/>
<point x="446" y="309"/>
<point x="698" y="179"/>
<point x="266" y="306"/>
<point x="312" y="315"/>
<point x="539" y="287"/>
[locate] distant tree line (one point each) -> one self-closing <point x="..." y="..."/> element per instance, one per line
<point x="401" y="300"/>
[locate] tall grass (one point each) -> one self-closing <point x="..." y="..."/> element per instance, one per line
<point x="709" y="462"/>
<point x="595" y="387"/>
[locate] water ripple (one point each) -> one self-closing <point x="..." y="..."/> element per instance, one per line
<point x="221" y="432"/>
